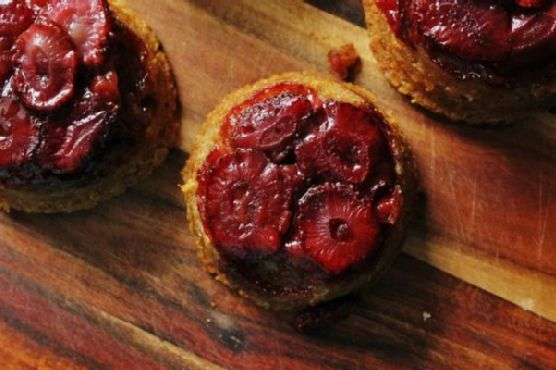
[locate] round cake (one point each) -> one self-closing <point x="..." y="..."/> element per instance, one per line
<point x="87" y="104"/>
<point x="479" y="61"/>
<point x="298" y="190"/>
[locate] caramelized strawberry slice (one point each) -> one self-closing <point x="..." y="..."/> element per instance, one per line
<point x="19" y="135"/>
<point x="475" y="30"/>
<point x="389" y="206"/>
<point x="269" y="120"/>
<point x="244" y="200"/>
<point x="5" y="58"/>
<point x="87" y="22"/>
<point x="530" y="3"/>
<point x="533" y="38"/>
<point x="69" y="142"/>
<point x="344" y="148"/>
<point x="45" y="66"/>
<point x="15" y="17"/>
<point x="391" y="9"/>
<point x="336" y="227"/>
<point x="36" y="5"/>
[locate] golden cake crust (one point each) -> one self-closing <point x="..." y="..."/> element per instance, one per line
<point x="209" y="137"/>
<point x="413" y="73"/>
<point x="162" y="134"/>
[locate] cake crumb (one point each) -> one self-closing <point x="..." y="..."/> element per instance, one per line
<point x="426" y="316"/>
<point x="345" y="62"/>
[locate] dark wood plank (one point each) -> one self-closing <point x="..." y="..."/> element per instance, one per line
<point x="350" y="10"/>
<point x="120" y="285"/>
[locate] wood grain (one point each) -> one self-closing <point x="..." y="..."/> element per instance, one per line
<point x="489" y="192"/>
<point x="120" y="288"/>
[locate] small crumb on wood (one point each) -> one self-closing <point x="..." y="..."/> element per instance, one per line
<point x="345" y="62"/>
<point x="426" y="316"/>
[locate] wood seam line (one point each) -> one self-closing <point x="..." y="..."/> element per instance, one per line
<point x="516" y="284"/>
<point x="142" y="338"/>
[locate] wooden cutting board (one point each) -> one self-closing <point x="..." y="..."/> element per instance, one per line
<point x="119" y="287"/>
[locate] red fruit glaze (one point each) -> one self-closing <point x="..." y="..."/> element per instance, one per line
<point x="67" y="146"/>
<point x="388" y="207"/>
<point x="19" y="135"/>
<point x="290" y="221"/>
<point x="86" y="22"/>
<point x="391" y="9"/>
<point x="346" y="147"/>
<point x="533" y="39"/>
<point x="336" y="226"/>
<point x="65" y="124"/>
<point x="45" y="66"/>
<point x="269" y="120"/>
<point x="530" y="3"/>
<point x="245" y="202"/>
<point x="15" y="17"/>
<point x="5" y="58"/>
<point x="471" y="29"/>
<point x="36" y="5"/>
<point x="498" y="41"/>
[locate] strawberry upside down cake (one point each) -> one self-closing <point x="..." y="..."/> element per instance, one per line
<point x="298" y="190"/>
<point x="480" y="61"/>
<point x="87" y="104"/>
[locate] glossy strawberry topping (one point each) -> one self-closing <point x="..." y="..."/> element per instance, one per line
<point x="245" y="201"/>
<point x="72" y="84"/>
<point x="346" y="147"/>
<point x="500" y="41"/>
<point x="15" y="17"/>
<point x="45" y="66"/>
<point x="315" y="205"/>
<point x="19" y="134"/>
<point x="269" y="120"/>
<point x="336" y="226"/>
<point x="86" y="22"/>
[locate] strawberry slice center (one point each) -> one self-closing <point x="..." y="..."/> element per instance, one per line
<point x="336" y="227"/>
<point x="45" y="67"/>
<point x="345" y="147"/>
<point x="86" y="22"/>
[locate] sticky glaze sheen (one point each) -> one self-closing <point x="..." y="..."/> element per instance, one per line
<point x="310" y="215"/>
<point x="500" y="42"/>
